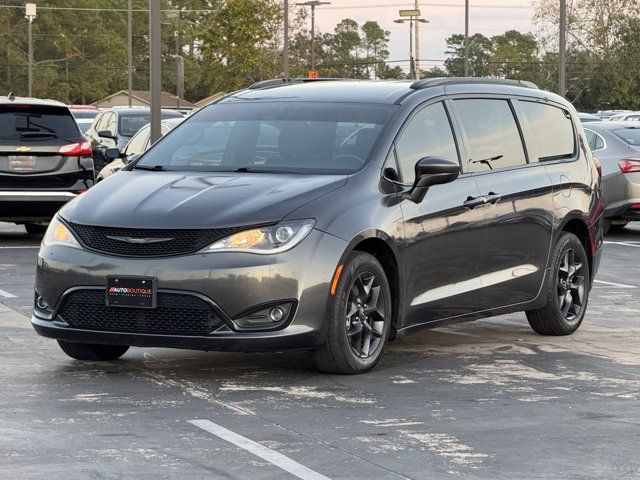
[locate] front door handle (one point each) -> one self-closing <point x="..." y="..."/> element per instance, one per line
<point x="473" y="202"/>
<point x="493" y="198"/>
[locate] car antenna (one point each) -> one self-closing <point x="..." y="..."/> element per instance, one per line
<point x="11" y="96"/>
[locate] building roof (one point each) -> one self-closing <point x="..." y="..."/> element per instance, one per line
<point x="169" y="100"/>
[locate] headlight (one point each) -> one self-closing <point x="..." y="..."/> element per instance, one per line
<point x="58" y="234"/>
<point x="264" y="240"/>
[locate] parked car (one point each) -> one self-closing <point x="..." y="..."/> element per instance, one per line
<point x="587" y="117"/>
<point x="84" y="115"/>
<point x="253" y="226"/>
<point x="617" y="146"/>
<point x="44" y="160"/>
<point x="115" y="127"/>
<point x="625" y="117"/>
<point x="607" y="114"/>
<point x="138" y="144"/>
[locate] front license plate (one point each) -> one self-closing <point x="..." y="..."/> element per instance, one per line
<point x="22" y="163"/>
<point x="137" y="292"/>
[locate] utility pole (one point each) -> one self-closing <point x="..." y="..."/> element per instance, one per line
<point x="562" y="54"/>
<point x="129" y="54"/>
<point x="155" y="68"/>
<point x="417" y="48"/>
<point x="285" y="47"/>
<point x="30" y="15"/>
<point x="313" y="4"/>
<point x="466" y="38"/>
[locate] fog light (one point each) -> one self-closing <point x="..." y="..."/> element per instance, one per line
<point x="276" y="314"/>
<point x="265" y="317"/>
<point x="42" y="303"/>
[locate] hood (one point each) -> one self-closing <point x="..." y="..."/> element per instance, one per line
<point x="140" y="199"/>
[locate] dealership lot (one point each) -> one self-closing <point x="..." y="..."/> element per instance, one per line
<point x="482" y="400"/>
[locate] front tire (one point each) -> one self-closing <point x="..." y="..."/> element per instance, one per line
<point x="568" y="295"/>
<point x="92" y="352"/>
<point x="359" y="318"/>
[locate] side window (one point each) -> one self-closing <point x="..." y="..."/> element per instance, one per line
<point x="99" y="122"/>
<point x="112" y="126"/>
<point x="552" y="131"/>
<point x="138" y="143"/>
<point x="428" y="134"/>
<point x="492" y="134"/>
<point x="595" y="141"/>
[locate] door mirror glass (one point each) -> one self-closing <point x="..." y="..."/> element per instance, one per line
<point x="112" y="153"/>
<point x="432" y="171"/>
<point x="106" y="134"/>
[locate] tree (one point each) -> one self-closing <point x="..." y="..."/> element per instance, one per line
<point x="374" y="41"/>
<point x="480" y="54"/>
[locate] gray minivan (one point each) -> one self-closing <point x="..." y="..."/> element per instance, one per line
<point x="331" y="216"/>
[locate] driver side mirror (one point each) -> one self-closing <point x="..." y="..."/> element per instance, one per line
<point x="106" y="134"/>
<point x="112" y="153"/>
<point x="432" y="171"/>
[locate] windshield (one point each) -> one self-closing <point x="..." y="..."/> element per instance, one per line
<point x="90" y="114"/>
<point x="291" y="137"/>
<point x="630" y="136"/>
<point x="26" y="122"/>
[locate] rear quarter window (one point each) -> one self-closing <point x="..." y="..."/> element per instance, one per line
<point x="551" y="130"/>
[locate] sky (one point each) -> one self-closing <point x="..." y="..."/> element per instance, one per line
<point x="446" y="17"/>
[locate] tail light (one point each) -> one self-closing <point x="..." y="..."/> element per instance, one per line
<point x="629" y="165"/>
<point x="79" y="149"/>
<point x="598" y="165"/>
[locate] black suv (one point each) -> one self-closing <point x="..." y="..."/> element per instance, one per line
<point x="114" y="128"/>
<point x="331" y="216"/>
<point x="45" y="161"/>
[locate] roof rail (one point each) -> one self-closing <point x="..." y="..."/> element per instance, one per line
<point x="444" y="81"/>
<point x="281" y="82"/>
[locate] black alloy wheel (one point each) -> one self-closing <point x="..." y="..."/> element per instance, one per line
<point x="570" y="285"/>
<point x="365" y="314"/>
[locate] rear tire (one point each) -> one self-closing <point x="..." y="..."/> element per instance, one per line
<point x="35" y="228"/>
<point x="92" y="352"/>
<point x="568" y="293"/>
<point x="359" y="318"/>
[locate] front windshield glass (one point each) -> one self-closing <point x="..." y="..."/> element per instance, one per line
<point x="630" y="136"/>
<point x="287" y="137"/>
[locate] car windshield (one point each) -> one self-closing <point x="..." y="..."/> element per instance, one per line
<point x="90" y="114"/>
<point x="130" y="123"/>
<point x="630" y="136"/>
<point x="27" y="122"/>
<point x="286" y="137"/>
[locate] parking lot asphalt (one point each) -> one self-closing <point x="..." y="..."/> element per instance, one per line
<point x="483" y="400"/>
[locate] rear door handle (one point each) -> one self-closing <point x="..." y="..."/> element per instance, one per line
<point x="473" y="202"/>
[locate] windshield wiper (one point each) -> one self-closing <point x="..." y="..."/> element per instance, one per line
<point x="37" y="134"/>
<point x="152" y="168"/>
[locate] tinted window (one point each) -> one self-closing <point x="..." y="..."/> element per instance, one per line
<point x="552" y="131"/>
<point x="84" y="113"/>
<point x="630" y="136"/>
<point x="273" y="137"/>
<point x="428" y="134"/>
<point x="36" y="123"/>
<point x="130" y="123"/>
<point x="112" y="125"/>
<point x="492" y="134"/>
<point x="138" y="143"/>
<point x="595" y="141"/>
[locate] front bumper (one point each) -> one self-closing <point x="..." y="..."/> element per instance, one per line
<point x="234" y="282"/>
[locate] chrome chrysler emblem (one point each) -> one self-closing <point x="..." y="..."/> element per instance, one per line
<point x="139" y="240"/>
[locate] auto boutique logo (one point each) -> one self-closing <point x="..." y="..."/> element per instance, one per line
<point x="130" y="291"/>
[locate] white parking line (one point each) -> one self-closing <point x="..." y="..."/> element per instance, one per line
<point x="626" y="244"/>
<point x="613" y="284"/>
<point x="271" y="456"/>
<point x="5" y="294"/>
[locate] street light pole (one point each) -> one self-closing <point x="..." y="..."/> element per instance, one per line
<point x="417" y="47"/>
<point x="562" y="54"/>
<point x="30" y="15"/>
<point x="129" y="54"/>
<point x="413" y="16"/>
<point x="466" y="38"/>
<point x="155" y="68"/>
<point x="285" y="47"/>
<point x="313" y="4"/>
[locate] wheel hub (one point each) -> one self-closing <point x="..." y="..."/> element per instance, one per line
<point x="365" y="315"/>
<point x="571" y="285"/>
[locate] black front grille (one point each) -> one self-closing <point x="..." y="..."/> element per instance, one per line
<point x="151" y="242"/>
<point x="176" y="314"/>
